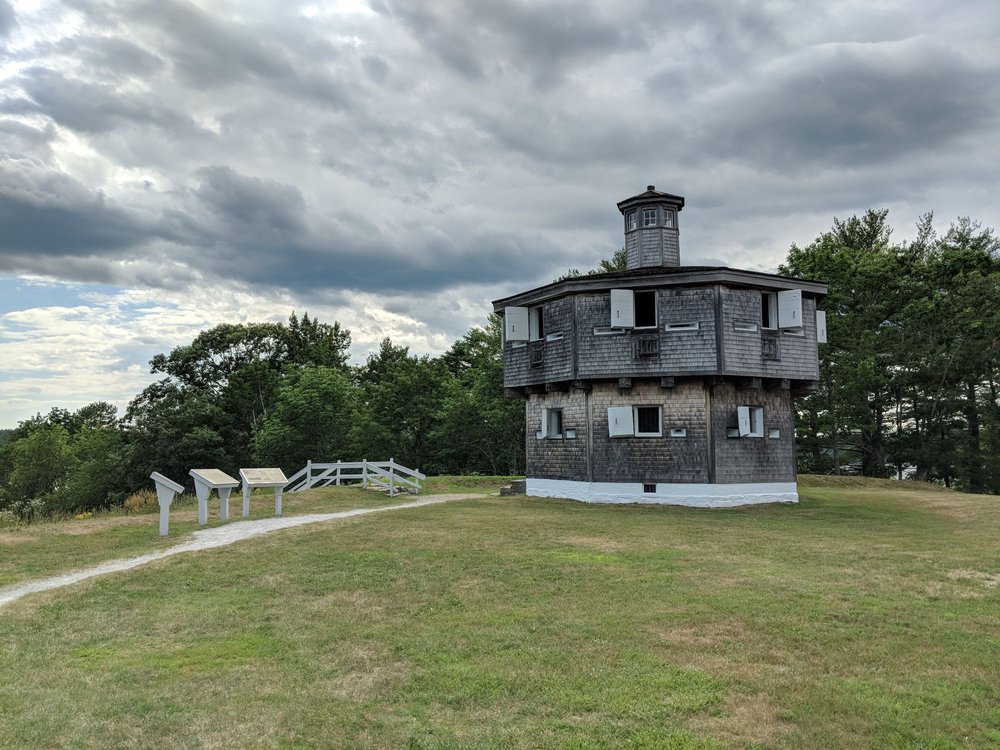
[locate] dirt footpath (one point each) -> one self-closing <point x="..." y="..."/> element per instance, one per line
<point x="219" y="536"/>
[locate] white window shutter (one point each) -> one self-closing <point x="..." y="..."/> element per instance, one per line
<point x="790" y="308"/>
<point x="743" y="414"/>
<point x="515" y="323"/>
<point x="544" y="432"/>
<point x="622" y="308"/>
<point x="620" y="422"/>
<point x="821" y="326"/>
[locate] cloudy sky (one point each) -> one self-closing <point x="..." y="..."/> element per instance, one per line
<point x="395" y="165"/>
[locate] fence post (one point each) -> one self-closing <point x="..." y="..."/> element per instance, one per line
<point x="417" y="479"/>
<point x="309" y="474"/>
<point x="392" y="478"/>
<point x="364" y="473"/>
<point x="338" y="472"/>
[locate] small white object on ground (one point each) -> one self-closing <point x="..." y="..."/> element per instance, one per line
<point x="209" y="539"/>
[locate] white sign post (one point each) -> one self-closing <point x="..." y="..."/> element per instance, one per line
<point x="206" y="480"/>
<point x="262" y="478"/>
<point x="166" y="490"/>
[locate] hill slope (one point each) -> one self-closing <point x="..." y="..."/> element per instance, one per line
<point x="865" y="616"/>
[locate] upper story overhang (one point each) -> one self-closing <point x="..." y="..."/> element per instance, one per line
<point x="659" y="277"/>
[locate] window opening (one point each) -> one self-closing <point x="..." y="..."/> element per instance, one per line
<point x="552" y="424"/>
<point x="536" y="324"/>
<point x="690" y="326"/>
<point x="668" y="218"/>
<point x="649" y="217"/>
<point x="630" y="221"/>
<point x="648" y="487"/>
<point x="768" y="310"/>
<point x="647" y="421"/>
<point x="645" y="309"/>
<point x="555" y="422"/>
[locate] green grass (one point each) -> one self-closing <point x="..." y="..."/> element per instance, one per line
<point x="450" y="484"/>
<point x="55" y="546"/>
<point x="867" y="616"/>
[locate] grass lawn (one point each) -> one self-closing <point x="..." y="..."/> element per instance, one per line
<point x="51" y="547"/>
<point x="867" y="616"/>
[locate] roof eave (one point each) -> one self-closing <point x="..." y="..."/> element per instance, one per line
<point x="629" y="279"/>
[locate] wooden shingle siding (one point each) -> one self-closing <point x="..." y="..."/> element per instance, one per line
<point x="628" y="459"/>
<point x="671" y="248"/>
<point x="581" y="353"/>
<point x="751" y="459"/>
<point x="651" y="247"/>
<point x="797" y="354"/>
<point x="691" y="352"/>
<point x="687" y="351"/>
<point x="558" y="458"/>
<point x="632" y="250"/>
<point x="557" y="355"/>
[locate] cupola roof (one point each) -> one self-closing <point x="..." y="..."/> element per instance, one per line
<point x="652" y="195"/>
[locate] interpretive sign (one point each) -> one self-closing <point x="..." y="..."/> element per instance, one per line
<point x="166" y="490"/>
<point x="206" y="480"/>
<point x="262" y="478"/>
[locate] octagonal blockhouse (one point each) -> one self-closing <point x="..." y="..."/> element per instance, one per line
<point x="663" y="383"/>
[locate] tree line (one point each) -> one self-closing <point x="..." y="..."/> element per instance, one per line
<point x="271" y="394"/>
<point x="908" y="388"/>
<point x="908" y="383"/>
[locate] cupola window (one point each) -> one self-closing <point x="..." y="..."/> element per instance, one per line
<point x="649" y="217"/>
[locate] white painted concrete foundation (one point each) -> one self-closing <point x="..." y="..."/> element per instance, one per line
<point x="692" y="495"/>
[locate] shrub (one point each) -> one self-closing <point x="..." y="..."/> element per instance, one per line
<point x="140" y="501"/>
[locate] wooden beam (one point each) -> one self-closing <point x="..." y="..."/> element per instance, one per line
<point x="515" y="393"/>
<point x="667" y="383"/>
<point x="561" y="387"/>
<point x="583" y="385"/>
<point x="804" y="387"/>
<point x="625" y="383"/>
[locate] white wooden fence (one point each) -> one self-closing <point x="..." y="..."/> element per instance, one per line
<point x="381" y="475"/>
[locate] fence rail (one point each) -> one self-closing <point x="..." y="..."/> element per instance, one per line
<point x="381" y="475"/>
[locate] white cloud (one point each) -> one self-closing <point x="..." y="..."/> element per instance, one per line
<point x="395" y="166"/>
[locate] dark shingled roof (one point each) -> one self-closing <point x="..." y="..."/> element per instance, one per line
<point x="652" y="195"/>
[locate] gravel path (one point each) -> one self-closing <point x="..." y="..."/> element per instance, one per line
<point x="209" y="539"/>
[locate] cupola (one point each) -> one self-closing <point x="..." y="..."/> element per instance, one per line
<point x="651" y="234"/>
